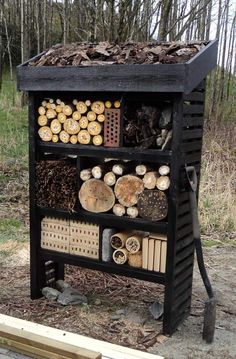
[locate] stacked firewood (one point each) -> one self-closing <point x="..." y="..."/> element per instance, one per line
<point x="148" y="125"/>
<point x="56" y="184"/>
<point x="126" y="189"/>
<point x="76" y="122"/>
<point x="138" y="249"/>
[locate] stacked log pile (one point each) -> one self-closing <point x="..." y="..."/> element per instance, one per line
<point x="77" y="122"/>
<point x="126" y="189"/>
<point x="148" y="125"/>
<point x="139" y="249"/>
<point x="105" y="53"/>
<point x="56" y="184"/>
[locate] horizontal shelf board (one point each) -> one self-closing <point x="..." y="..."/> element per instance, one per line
<point x="113" y="268"/>
<point x="107" y="220"/>
<point x="137" y="154"/>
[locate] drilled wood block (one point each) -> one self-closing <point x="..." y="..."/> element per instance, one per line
<point x="54" y="242"/>
<point x="55" y="227"/>
<point x="112" y="130"/>
<point x="86" y="243"/>
<point x="84" y="252"/>
<point x="84" y="231"/>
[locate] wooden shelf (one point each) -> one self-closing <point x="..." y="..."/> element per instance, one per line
<point x="106" y="220"/>
<point x="113" y="268"/>
<point x="138" y="154"/>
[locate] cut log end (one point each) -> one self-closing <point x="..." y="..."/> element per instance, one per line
<point x="118" y="210"/>
<point x="150" y="179"/>
<point x="110" y="179"/>
<point x="127" y="189"/>
<point x="163" y="183"/>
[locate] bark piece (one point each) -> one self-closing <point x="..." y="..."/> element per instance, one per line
<point x="163" y="183"/>
<point x="135" y="260"/>
<point x="153" y="205"/>
<point x="150" y="180"/>
<point x="106" y="246"/>
<point x="127" y="189"/>
<point x="95" y="196"/>
<point x="110" y="178"/>
<point x="119" y="210"/>
<point x="120" y="256"/>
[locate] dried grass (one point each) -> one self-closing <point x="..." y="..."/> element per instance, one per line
<point x="218" y="182"/>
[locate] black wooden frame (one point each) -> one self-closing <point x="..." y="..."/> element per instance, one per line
<point x="47" y="266"/>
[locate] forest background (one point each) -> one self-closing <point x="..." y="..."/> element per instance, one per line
<point x="27" y="27"/>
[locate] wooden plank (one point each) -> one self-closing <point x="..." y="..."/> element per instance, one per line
<point x="150" y="155"/>
<point x="195" y="96"/>
<point x="157" y="255"/>
<point x="193" y="109"/>
<point x="28" y="350"/>
<point x="192" y="134"/>
<point x="200" y="66"/>
<point x="192" y="146"/>
<point x="46" y="344"/>
<point x="145" y="253"/>
<point x="108" y="350"/>
<point x="151" y="254"/>
<point x="192" y="121"/>
<point x="118" y="78"/>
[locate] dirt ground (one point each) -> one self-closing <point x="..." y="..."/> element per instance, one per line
<point x="118" y="307"/>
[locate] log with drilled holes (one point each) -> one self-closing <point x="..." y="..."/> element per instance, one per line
<point x="152" y="205"/>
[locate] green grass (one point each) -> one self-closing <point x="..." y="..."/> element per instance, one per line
<point x="13" y="123"/>
<point x="13" y="164"/>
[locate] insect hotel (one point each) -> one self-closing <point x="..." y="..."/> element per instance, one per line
<point x="111" y="129"/>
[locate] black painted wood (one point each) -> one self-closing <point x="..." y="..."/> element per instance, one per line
<point x="120" y="78"/>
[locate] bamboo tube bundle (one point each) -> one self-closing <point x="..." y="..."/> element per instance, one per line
<point x="133" y="243"/>
<point x="118" y="240"/>
<point x="120" y="256"/>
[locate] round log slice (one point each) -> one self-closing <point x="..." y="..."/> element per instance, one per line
<point x="95" y="196"/>
<point x="153" y="205"/>
<point x="127" y="189"/>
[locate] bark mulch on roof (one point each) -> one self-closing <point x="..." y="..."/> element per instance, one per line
<point x="105" y="53"/>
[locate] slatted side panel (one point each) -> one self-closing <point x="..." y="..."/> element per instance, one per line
<point x="193" y="116"/>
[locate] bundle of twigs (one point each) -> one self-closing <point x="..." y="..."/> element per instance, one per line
<point x="56" y="184"/>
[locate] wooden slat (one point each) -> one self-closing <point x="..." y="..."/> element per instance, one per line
<point x="183" y="208"/>
<point x="184" y="231"/>
<point x="195" y="96"/>
<point x="119" y="78"/>
<point x="184" y="220"/>
<point x="184" y="253"/>
<point x="108" y="350"/>
<point x="183" y="242"/>
<point x="192" y="146"/>
<point x="46" y="344"/>
<point x="193" y="109"/>
<point x="186" y="285"/>
<point x="192" y="134"/>
<point x="192" y="121"/>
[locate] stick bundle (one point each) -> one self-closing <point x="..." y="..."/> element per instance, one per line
<point x="56" y="184"/>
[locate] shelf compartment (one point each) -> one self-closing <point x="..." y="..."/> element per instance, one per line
<point x="106" y="219"/>
<point x="113" y="268"/>
<point x="151" y="155"/>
